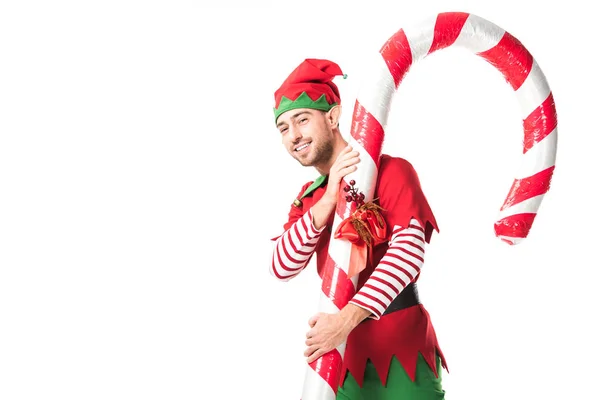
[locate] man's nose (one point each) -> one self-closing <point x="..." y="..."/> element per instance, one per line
<point x="295" y="134"/>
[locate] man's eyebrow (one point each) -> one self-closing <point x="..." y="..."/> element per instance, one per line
<point x="293" y="117"/>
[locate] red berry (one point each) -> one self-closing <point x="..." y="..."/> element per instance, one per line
<point x="346" y="188"/>
<point x="348" y="198"/>
<point x="352" y="182"/>
<point x="362" y="196"/>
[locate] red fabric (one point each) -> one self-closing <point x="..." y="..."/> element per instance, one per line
<point x="403" y="333"/>
<point x="400" y="195"/>
<point x="360" y="249"/>
<point x="295" y="213"/>
<point x="314" y="77"/>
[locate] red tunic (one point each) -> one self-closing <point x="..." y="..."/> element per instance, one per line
<point x="403" y="333"/>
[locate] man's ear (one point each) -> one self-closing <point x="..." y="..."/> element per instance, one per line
<point x="333" y="116"/>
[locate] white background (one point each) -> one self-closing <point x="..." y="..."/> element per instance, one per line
<point x="141" y="177"/>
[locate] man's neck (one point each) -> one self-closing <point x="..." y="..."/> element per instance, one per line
<point x="325" y="168"/>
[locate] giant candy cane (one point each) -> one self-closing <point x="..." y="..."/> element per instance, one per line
<point x="516" y="215"/>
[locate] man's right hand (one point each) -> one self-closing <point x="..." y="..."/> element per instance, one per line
<point x="344" y="164"/>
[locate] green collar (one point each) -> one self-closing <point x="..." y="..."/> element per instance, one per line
<point x="314" y="186"/>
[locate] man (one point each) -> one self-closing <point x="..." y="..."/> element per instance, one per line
<point x="391" y="346"/>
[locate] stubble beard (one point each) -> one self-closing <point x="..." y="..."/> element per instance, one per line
<point x="322" y="153"/>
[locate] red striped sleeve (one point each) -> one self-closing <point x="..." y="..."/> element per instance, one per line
<point x="294" y="248"/>
<point x="400" y="265"/>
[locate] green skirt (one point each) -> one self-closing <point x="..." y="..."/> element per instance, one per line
<point x="399" y="386"/>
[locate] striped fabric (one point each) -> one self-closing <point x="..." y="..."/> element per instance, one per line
<point x="399" y="266"/>
<point x="294" y="248"/>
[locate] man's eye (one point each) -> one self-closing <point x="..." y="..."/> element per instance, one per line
<point x="284" y="130"/>
<point x="303" y="120"/>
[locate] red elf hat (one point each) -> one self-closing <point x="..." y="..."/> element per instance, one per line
<point x="310" y="85"/>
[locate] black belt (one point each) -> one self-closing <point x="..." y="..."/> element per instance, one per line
<point x="407" y="298"/>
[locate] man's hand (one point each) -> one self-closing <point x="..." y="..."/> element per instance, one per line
<point x="328" y="331"/>
<point x="344" y="164"/>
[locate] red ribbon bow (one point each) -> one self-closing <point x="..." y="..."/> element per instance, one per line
<point x="365" y="229"/>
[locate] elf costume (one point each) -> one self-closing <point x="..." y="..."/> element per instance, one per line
<point x="393" y="354"/>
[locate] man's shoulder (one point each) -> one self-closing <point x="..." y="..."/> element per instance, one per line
<point x="397" y="166"/>
<point x="303" y="188"/>
<point x="307" y="185"/>
<point x="307" y="188"/>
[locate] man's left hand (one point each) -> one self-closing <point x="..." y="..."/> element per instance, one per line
<point x="327" y="332"/>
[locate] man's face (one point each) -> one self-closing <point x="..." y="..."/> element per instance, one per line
<point x="306" y="135"/>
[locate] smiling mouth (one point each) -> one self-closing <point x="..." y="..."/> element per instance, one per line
<point x="302" y="147"/>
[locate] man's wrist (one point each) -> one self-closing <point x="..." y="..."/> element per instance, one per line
<point x="353" y="315"/>
<point x="321" y="212"/>
<point x="328" y="201"/>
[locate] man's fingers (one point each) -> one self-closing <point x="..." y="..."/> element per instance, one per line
<point x="344" y="153"/>
<point x="310" y="341"/>
<point x="341" y="164"/>
<point x="315" y="356"/>
<point x="310" y="350"/>
<point x="347" y="156"/>
<point x="348" y="162"/>
<point x="346" y="170"/>
<point x="313" y="320"/>
<point x="345" y="150"/>
<point x="343" y="169"/>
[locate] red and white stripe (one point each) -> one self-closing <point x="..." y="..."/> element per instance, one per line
<point x="294" y="248"/>
<point x="369" y="121"/>
<point x="322" y="376"/>
<point x="400" y="265"/>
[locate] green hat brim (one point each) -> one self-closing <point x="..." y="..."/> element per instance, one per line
<point x="303" y="101"/>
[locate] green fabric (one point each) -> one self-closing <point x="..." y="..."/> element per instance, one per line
<point x="399" y="386"/>
<point x="317" y="183"/>
<point x="303" y="101"/>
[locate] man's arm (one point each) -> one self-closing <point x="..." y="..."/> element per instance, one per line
<point x="399" y="266"/>
<point x="295" y="247"/>
<point x="322" y="211"/>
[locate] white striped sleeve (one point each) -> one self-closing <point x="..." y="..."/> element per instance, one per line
<point x="295" y="247"/>
<point x="399" y="266"/>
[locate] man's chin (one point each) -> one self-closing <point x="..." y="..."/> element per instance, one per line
<point x="305" y="161"/>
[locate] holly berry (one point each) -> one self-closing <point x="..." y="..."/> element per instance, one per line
<point x="348" y="198"/>
<point x="352" y="182"/>
<point x="361" y="196"/>
<point x="346" y="188"/>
